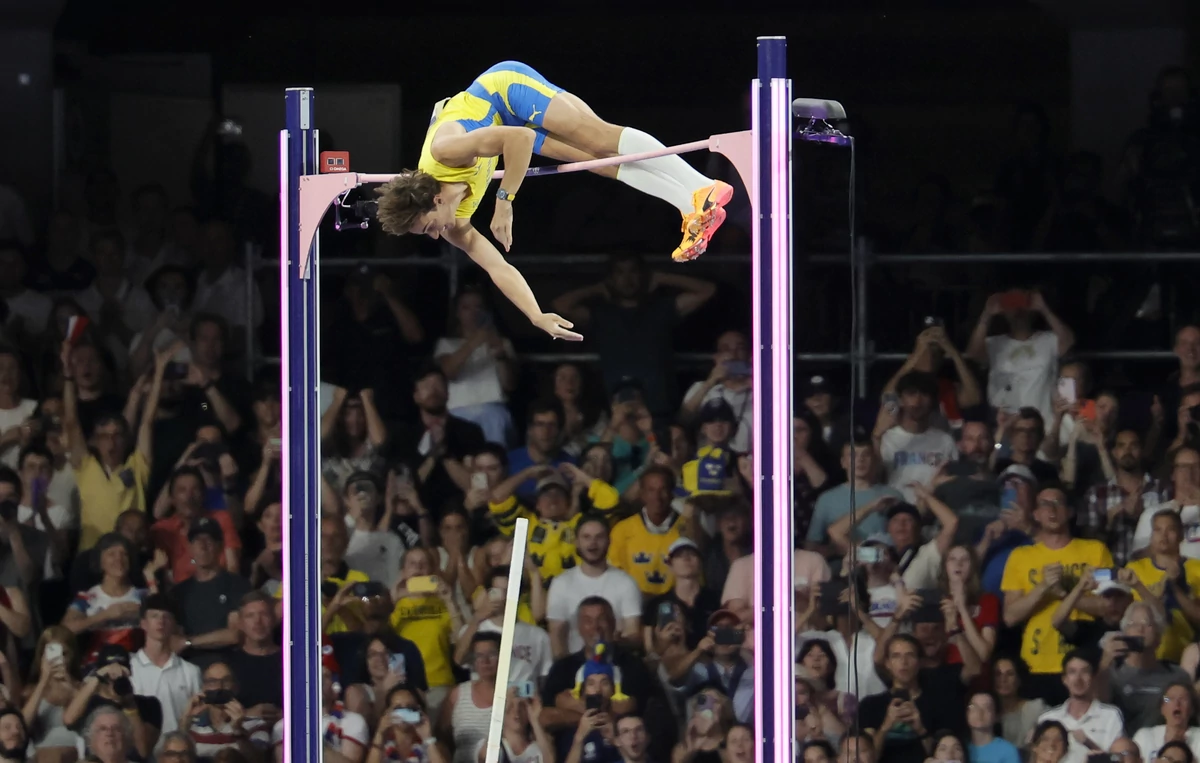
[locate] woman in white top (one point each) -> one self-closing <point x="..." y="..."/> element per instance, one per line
<point x="352" y="436"/>
<point x="1018" y="716"/>
<point x="15" y="410"/>
<point x="467" y="711"/>
<point x="523" y="739"/>
<point x="480" y="366"/>
<point x="52" y="683"/>
<point x="1179" y="723"/>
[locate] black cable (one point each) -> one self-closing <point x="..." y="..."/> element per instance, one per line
<point x="855" y="364"/>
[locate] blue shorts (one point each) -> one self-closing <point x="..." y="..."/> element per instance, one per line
<point x="519" y="94"/>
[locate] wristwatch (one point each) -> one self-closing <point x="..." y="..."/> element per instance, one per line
<point x="504" y="195"/>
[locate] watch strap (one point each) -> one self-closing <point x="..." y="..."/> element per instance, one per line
<point x="504" y="195"/>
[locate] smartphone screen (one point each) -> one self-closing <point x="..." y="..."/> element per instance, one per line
<point x="1066" y="390"/>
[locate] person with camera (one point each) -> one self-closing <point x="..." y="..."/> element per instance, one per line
<point x="372" y="547"/>
<point x="730" y="380"/>
<point x="717" y="661"/>
<point x="954" y="394"/>
<point x="531" y="656"/>
<point x="1022" y="363"/>
<point x="595" y="737"/>
<point x="110" y="685"/>
<point x="1114" y="592"/>
<point x="1129" y="671"/>
<point x="1171" y="578"/>
<point x="405" y="732"/>
<point x="215" y="720"/>
<point x="902" y="719"/>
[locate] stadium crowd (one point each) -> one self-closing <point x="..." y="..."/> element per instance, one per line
<point x="1002" y="565"/>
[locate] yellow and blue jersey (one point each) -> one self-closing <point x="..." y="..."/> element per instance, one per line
<point x="552" y="544"/>
<point x="640" y="549"/>
<point x="510" y="93"/>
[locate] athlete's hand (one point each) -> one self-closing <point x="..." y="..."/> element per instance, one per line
<point x="557" y="327"/>
<point x="502" y="223"/>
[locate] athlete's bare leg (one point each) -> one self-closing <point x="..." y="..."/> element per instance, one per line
<point x="575" y="124"/>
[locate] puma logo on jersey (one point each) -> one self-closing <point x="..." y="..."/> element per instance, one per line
<point x="533" y="116"/>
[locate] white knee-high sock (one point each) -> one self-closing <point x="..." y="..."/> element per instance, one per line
<point x="634" y="141"/>
<point x="639" y="177"/>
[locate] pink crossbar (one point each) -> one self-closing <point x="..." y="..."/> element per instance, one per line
<point x="591" y="164"/>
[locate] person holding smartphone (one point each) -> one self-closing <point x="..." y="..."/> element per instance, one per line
<point x="215" y="720"/>
<point x="405" y="732"/>
<point x="595" y="736"/>
<point x="717" y="660"/>
<point x="1130" y="673"/>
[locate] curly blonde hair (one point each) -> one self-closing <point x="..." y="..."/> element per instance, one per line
<point x="403" y="199"/>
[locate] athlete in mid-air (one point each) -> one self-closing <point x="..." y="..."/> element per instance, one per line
<point x="511" y="111"/>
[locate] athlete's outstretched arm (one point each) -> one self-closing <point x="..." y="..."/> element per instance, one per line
<point x="509" y="280"/>
<point x="515" y="144"/>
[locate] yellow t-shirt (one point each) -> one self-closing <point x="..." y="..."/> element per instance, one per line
<point x="552" y="544"/>
<point x="641" y="551"/>
<point x="472" y="112"/>
<point x="425" y="621"/>
<point x="1179" y="633"/>
<point x="1041" y="646"/>
<point x="104" y="495"/>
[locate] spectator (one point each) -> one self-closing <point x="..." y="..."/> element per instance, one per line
<point x="583" y="422"/>
<point x="111" y="737"/>
<point x="815" y="751"/>
<point x="1185" y="501"/>
<point x="853" y="631"/>
<point x="1025" y="432"/>
<point x="919" y="561"/>
<point x="175" y="533"/>
<point x="911" y="451"/>
<point x="633" y="741"/>
<point x="900" y="719"/>
<point x="1177" y="578"/>
<point x="209" y="384"/>
<point x="156" y="671"/>
<point x="732" y="542"/>
<point x="481" y="366"/>
<point x="171" y="290"/>
<point x="113" y="477"/>
<point x="675" y="622"/>
<point x="372" y="546"/>
<point x="467" y="711"/>
<point x="221" y="286"/>
<point x="54" y="681"/>
<point x="1036" y="576"/>
<point x="523" y="738"/>
<point x="857" y="748"/>
<point x="266" y="572"/>
<point x="405" y="732"/>
<point x="206" y="603"/>
<point x="713" y="467"/>
<point x="818" y="722"/>
<point x="108" y="613"/>
<point x="1021" y="363"/>
<point x="440" y="442"/>
<point x="258" y="661"/>
<point x="729" y="380"/>
<point x="641" y="544"/>
<point x="542" y="446"/>
<point x="717" y="661"/>
<point x="352" y="436"/>
<point x="92" y="381"/>
<point x="552" y="522"/>
<point x="977" y="613"/>
<point x="14" y="736"/>
<point x="954" y="395"/>
<point x="1127" y="749"/>
<point x="389" y="662"/>
<point x="1113" y="510"/>
<point x="430" y="619"/>
<point x="532" y="656"/>
<point x="1094" y="725"/>
<point x="985" y="746"/>
<point x="149" y="247"/>
<point x="26" y="313"/>
<point x="631" y="321"/>
<point x="216" y="721"/>
<point x="404" y="512"/>
<point x="109" y="689"/>
<point x="17" y="423"/>
<point x="816" y="657"/>
<point x="1129" y="671"/>
<point x="708" y="719"/>
<point x="1018" y="714"/>
<point x="177" y="746"/>
<point x="345" y="735"/>
<point x="117" y="306"/>
<point x="563" y="706"/>
<point x="947" y="747"/>
<point x="1178" y="711"/>
<point x="594" y="577"/>
<point x="62" y="267"/>
<point x="1187" y="351"/>
<point x="1049" y="743"/>
<point x="860" y="461"/>
<point x="1071" y="619"/>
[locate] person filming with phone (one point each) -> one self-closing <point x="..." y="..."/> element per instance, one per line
<point x="405" y="732"/>
<point x="717" y="661"/>
<point x="215" y="720"/>
<point x="595" y="737"/>
<point x="1129" y="671"/>
<point x="730" y="380"/>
